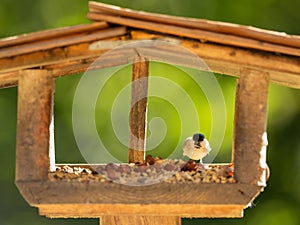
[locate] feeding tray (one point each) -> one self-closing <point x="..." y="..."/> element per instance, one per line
<point x="33" y="62"/>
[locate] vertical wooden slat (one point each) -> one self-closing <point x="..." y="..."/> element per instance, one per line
<point x="138" y="112"/>
<point x="35" y="100"/>
<point x="249" y="143"/>
<point x="140" y="220"/>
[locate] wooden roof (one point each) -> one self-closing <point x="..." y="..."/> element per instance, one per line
<point x="225" y="47"/>
<point x="204" y="30"/>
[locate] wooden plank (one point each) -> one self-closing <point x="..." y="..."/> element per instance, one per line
<point x="140" y="220"/>
<point x="81" y="66"/>
<point x="60" y="42"/>
<point x="50" y="57"/>
<point x="93" y="192"/>
<point x="225" y="39"/>
<point x="50" y="34"/>
<point x="183" y="210"/>
<point x="249" y="143"/>
<point x="65" y="68"/>
<point x="283" y="70"/>
<point x="9" y="79"/>
<point x="138" y="110"/>
<point x="219" y="27"/>
<point x="35" y="100"/>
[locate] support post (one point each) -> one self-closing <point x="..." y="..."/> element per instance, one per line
<point x="140" y="220"/>
<point x="35" y="101"/>
<point x="250" y="141"/>
<point x="138" y="111"/>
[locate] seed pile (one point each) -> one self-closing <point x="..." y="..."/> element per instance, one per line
<point x="75" y="173"/>
<point x="153" y="170"/>
<point x="211" y="174"/>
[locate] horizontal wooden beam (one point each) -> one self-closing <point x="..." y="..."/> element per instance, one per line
<point x="284" y="70"/>
<point x="61" y="42"/>
<point x="98" y="210"/>
<point x="93" y="192"/>
<point x="50" y="34"/>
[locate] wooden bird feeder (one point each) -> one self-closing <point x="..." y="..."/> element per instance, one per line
<point x="33" y="61"/>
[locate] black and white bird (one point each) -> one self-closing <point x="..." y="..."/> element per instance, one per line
<point x="196" y="147"/>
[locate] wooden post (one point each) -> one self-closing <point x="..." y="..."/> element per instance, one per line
<point x="138" y="111"/>
<point x="35" y="100"/>
<point x="140" y="220"/>
<point x="249" y="142"/>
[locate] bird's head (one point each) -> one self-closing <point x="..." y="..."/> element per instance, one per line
<point x="197" y="138"/>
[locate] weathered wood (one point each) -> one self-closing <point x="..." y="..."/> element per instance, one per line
<point x="50" y="34"/>
<point x="160" y="203"/>
<point x="9" y="79"/>
<point x="66" y="199"/>
<point x="180" y="210"/>
<point x="219" y="27"/>
<point x="283" y="70"/>
<point x="93" y="192"/>
<point x="61" y="55"/>
<point x="249" y="143"/>
<point x="35" y="99"/>
<point x="80" y="66"/>
<point x="140" y="220"/>
<point x="225" y="39"/>
<point x="94" y="199"/>
<point x="138" y="110"/>
<point x="62" y="41"/>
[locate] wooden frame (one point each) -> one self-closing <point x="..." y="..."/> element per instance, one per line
<point x="102" y="199"/>
<point x="39" y="60"/>
<point x="283" y="69"/>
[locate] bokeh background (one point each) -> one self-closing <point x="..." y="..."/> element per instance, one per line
<point x="278" y="204"/>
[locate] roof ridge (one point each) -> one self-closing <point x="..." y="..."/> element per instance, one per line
<point x="195" y="23"/>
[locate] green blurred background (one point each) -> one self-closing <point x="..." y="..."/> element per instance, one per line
<point x="278" y="204"/>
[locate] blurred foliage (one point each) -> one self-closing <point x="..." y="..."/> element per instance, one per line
<point x="280" y="202"/>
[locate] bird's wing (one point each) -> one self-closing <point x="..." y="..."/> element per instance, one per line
<point x="206" y="145"/>
<point x="188" y="147"/>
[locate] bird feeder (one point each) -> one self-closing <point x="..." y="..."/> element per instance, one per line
<point x="33" y="61"/>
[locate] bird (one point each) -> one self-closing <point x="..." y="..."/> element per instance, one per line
<point x="196" y="147"/>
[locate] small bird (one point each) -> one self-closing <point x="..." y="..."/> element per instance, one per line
<point x="196" y="147"/>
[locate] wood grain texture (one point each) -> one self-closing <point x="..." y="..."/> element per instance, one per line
<point x="140" y="220"/>
<point x="61" y="41"/>
<point x="92" y="192"/>
<point x="50" y="34"/>
<point x="195" y="23"/>
<point x="60" y="55"/>
<point x="35" y="100"/>
<point x="248" y="53"/>
<point x="283" y="70"/>
<point x="249" y="144"/>
<point x="181" y="210"/>
<point x="9" y="79"/>
<point x="225" y="39"/>
<point x="138" y="110"/>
